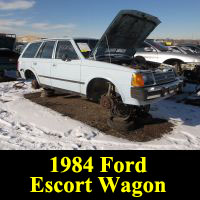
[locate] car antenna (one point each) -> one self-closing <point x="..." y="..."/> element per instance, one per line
<point x="108" y="48"/>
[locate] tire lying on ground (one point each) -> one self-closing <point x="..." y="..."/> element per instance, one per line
<point x="140" y="118"/>
<point x="120" y="124"/>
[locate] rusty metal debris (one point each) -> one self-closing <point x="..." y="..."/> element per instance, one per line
<point x="106" y="102"/>
<point x="191" y="72"/>
<point x="19" y="85"/>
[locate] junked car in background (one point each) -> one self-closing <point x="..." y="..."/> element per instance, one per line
<point x="106" y="72"/>
<point x="156" y="52"/>
<point x="8" y="57"/>
<point x="20" y="46"/>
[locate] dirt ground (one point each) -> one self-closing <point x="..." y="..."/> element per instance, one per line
<point x="94" y="115"/>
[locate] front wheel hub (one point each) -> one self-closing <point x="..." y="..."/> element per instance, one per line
<point x="106" y="102"/>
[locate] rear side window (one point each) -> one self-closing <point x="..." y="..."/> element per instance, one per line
<point x="46" y="50"/>
<point x="31" y="50"/>
<point x="66" y="47"/>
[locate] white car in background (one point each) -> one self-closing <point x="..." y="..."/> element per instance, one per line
<point x="156" y="52"/>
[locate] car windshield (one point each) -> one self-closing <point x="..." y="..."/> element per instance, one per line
<point x="158" y="45"/>
<point x="86" y="46"/>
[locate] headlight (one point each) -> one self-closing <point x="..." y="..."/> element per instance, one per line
<point x="141" y="80"/>
<point x="148" y="79"/>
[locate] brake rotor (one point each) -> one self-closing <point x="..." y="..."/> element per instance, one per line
<point x="106" y="102"/>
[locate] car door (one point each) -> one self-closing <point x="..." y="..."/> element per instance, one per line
<point x="43" y="62"/>
<point x="65" y="73"/>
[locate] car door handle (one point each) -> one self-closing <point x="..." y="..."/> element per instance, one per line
<point x="54" y="65"/>
<point x="34" y="63"/>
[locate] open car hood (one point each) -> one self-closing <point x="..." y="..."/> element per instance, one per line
<point x="125" y="33"/>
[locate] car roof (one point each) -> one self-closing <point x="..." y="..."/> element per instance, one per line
<point x="70" y="38"/>
<point x="63" y="38"/>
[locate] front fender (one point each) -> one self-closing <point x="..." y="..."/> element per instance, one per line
<point x="114" y="82"/>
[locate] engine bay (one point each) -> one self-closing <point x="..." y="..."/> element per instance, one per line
<point x="138" y="62"/>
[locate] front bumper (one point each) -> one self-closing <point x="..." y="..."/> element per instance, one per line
<point x="155" y="92"/>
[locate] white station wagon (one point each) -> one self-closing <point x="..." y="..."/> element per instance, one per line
<point x="103" y="70"/>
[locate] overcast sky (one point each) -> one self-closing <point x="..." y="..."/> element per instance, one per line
<point x="57" y="18"/>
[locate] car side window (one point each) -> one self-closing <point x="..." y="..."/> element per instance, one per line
<point x="31" y="50"/>
<point x="46" y="50"/>
<point x="66" y="47"/>
<point x="192" y="48"/>
<point x="142" y="47"/>
<point x="175" y="49"/>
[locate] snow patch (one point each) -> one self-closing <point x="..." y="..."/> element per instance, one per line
<point x="26" y="125"/>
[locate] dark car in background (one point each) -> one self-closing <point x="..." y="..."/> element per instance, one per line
<point x="8" y="55"/>
<point x="20" y="46"/>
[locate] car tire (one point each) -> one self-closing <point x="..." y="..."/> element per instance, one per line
<point x="35" y="84"/>
<point x="120" y="124"/>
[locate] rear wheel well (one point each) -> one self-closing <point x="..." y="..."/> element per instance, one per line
<point x="29" y="74"/>
<point x="96" y="88"/>
<point x="176" y="63"/>
<point x="173" y="61"/>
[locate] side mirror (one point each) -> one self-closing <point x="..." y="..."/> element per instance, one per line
<point x="65" y="57"/>
<point x="148" y="49"/>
